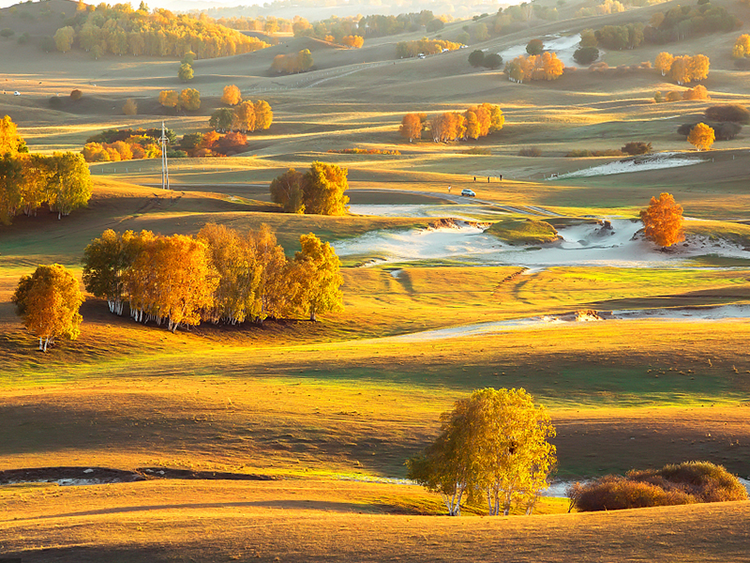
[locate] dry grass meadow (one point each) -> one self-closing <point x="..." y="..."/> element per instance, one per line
<point x="331" y="410"/>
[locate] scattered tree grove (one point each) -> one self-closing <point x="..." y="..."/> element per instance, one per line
<point x="492" y="446"/>
<point x="475" y="122"/>
<point x="218" y="276"/>
<point x="187" y="99"/>
<point x="662" y="221"/>
<point x="48" y="302"/>
<point x="319" y="191"/>
<point x="405" y="49"/>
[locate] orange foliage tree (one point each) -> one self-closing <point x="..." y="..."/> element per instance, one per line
<point x="48" y="302"/>
<point x="411" y="127"/>
<point x="353" y="41"/>
<point x="683" y="69"/>
<point x="535" y="67"/>
<point x="697" y="93"/>
<point x="231" y="95"/>
<point x="664" y="62"/>
<point x="702" y="137"/>
<point x="663" y="221"/>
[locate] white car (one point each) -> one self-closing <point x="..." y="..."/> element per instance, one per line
<point x="468" y="193"/>
<point x="421" y="55"/>
<point x="16" y="93"/>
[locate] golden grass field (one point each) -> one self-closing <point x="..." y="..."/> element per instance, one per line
<point x="332" y="409"/>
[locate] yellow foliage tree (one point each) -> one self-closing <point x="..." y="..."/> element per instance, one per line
<point x="130" y="107"/>
<point x="493" y="445"/>
<point x="10" y="140"/>
<point x="244" y="117"/>
<point x="741" y="47"/>
<point x="48" y="302"/>
<point x="231" y="95"/>
<point x="324" y="187"/>
<point x="190" y="99"/>
<point x="702" y="137"/>
<point x="411" y="127"/>
<point x="317" y="277"/>
<point x="169" y="98"/>
<point x="353" y="41"/>
<point x="662" y="221"/>
<point x="263" y="115"/>
<point x="697" y="93"/>
<point x="663" y="62"/>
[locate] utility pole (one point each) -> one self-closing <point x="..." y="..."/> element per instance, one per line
<point x="164" y="166"/>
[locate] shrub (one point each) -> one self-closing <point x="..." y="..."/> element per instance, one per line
<point x="478" y="150"/>
<point x="492" y="61"/>
<point x="76" y="95"/>
<point x="674" y="96"/>
<point x="729" y="112"/>
<point x="535" y="47"/>
<point x="55" y="102"/>
<point x="584" y="153"/>
<point x="476" y="58"/>
<point x="637" y="147"/>
<point x="530" y="151"/>
<point x="586" y="55"/>
<point x="686" y="483"/>
<point x="697" y="93"/>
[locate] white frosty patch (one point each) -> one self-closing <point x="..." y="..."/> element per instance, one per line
<point x="638" y="164"/>
<point x="564" y="47"/>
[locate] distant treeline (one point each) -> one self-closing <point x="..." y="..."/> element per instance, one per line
<point x="120" y="30"/>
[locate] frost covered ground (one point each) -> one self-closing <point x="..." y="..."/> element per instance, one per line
<point x="635" y="164"/>
<point x="563" y="46"/>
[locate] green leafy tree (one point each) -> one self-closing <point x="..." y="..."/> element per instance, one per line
<point x="222" y="119"/>
<point x="185" y="73"/>
<point x="324" y="187"/>
<point x="48" y="302"/>
<point x="535" y="47"/>
<point x="492" y="61"/>
<point x="476" y="58"/>
<point x="64" y="38"/>
<point x="493" y="444"/>
<point x="318" y="278"/>
<point x="69" y="182"/>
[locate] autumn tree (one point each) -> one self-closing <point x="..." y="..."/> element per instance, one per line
<point x="288" y="191"/>
<point x="69" y="183"/>
<point x="318" y="277"/>
<point x="237" y="295"/>
<point x="535" y="67"/>
<point x="492" y="445"/>
<point x="11" y="143"/>
<point x="663" y="62"/>
<point x="185" y="73"/>
<point x="702" y="137"/>
<point x="662" y="221"/>
<point x="276" y="290"/>
<point x="244" y="117"/>
<point x="11" y="175"/>
<point x="190" y="99"/>
<point x="171" y="280"/>
<point x="411" y="127"/>
<point x="324" y="187"/>
<point x="48" y="302"/>
<point x="105" y="261"/>
<point x="699" y="92"/>
<point x="263" y="115"/>
<point x="130" y="107"/>
<point x="741" y="47"/>
<point x="169" y="98"/>
<point x="231" y="95"/>
<point x="353" y="41"/>
<point x="64" y="38"/>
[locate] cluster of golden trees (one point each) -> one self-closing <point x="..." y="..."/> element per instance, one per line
<point x="268" y="24"/>
<point x="28" y="181"/>
<point x="351" y="41"/>
<point x="535" y="67"/>
<point x="48" y="302"/>
<point x="662" y="221"/>
<point x="682" y="69"/>
<point x="698" y="92"/>
<point x="425" y="46"/>
<point x="120" y="30"/>
<point x="492" y="448"/>
<point x="477" y="121"/>
<point x="188" y="99"/>
<point x="202" y="145"/>
<point x="247" y="116"/>
<point x="741" y="47"/>
<point x="292" y="63"/>
<point x="218" y="276"/>
<point x="318" y="191"/>
<point x="133" y="148"/>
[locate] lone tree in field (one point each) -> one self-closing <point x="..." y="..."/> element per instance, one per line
<point x="702" y="137"/>
<point x="48" y="302"/>
<point x="494" y="445"/>
<point x="231" y="95"/>
<point x="663" y="221"/>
